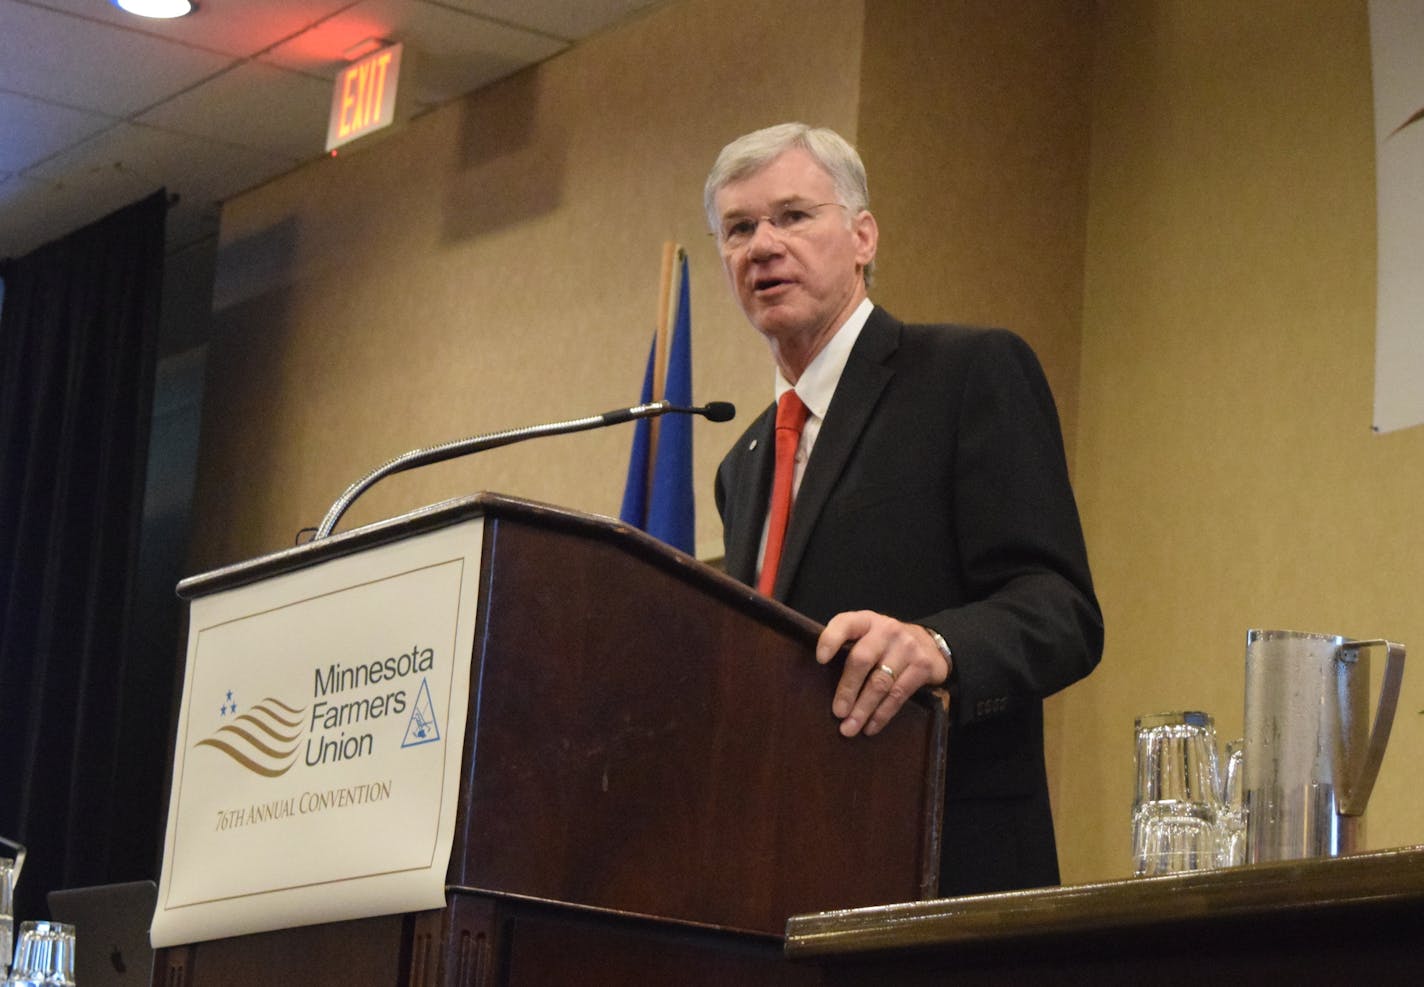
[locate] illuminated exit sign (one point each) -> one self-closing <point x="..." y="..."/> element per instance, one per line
<point x="364" y="100"/>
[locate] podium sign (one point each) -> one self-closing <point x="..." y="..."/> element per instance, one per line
<point x="316" y="766"/>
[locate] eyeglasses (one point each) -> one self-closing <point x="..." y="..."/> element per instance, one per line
<point x="790" y="220"/>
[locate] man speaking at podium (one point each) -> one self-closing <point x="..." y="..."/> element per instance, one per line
<point x="908" y="489"/>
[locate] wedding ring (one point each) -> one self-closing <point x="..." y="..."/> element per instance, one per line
<point x="888" y="671"/>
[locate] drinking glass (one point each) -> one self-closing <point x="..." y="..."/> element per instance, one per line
<point x="10" y="868"/>
<point x="1231" y="820"/>
<point x="44" y="956"/>
<point x="7" y="912"/>
<point x="1178" y="798"/>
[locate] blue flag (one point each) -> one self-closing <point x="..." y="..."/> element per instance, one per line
<point x="658" y="495"/>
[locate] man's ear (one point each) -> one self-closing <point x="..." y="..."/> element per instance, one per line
<point x="867" y="237"/>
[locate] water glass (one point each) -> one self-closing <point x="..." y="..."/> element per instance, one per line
<point x="1170" y="839"/>
<point x="44" y="956"/>
<point x="7" y="912"/>
<point x="1231" y="819"/>
<point x="1178" y="798"/>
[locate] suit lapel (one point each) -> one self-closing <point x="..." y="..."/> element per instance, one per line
<point x="864" y="378"/>
<point x="747" y="509"/>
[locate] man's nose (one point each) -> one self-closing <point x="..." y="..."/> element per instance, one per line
<point x="766" y="241"/>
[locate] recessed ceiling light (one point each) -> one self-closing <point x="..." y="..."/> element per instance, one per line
<point x="157" y="8"/>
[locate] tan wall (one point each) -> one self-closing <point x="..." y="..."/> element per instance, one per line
<point x="495" y="264"/>
<point x="1226" y="468"/>
<point x="974" y="128"/>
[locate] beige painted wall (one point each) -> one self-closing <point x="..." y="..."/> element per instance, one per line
<point x="974" y="127"/>
<point x="1226" y="468"/>
<point x="1171" y="200"/>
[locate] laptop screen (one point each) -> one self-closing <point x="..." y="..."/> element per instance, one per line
<point x="111" y="921"/>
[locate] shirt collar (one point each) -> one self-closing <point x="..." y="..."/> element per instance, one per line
<point x="818" y="382"/>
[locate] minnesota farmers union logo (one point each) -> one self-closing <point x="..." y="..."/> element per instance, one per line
<point x="352" y="707"/>
<point x="264" y="739"/>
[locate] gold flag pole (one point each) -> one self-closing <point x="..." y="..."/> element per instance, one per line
<point x="667" y="306"/>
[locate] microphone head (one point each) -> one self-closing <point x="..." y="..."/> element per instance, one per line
<point x="719" y="411"/>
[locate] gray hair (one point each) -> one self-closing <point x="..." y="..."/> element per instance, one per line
<point x="752" y="152"/>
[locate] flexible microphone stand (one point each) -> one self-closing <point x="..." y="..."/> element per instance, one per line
<point x="717" y="411"/>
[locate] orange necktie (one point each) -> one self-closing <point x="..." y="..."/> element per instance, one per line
<point x="790" y="418"/>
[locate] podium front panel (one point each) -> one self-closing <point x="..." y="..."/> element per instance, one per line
<point x="637" y="743"/>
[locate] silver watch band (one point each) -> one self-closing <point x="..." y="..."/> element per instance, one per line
<point x="944" y="649"/>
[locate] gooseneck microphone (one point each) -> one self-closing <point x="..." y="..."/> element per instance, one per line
<point x="716" y="411"/>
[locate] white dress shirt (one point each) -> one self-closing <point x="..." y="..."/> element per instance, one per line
<point x="815" y="389"/>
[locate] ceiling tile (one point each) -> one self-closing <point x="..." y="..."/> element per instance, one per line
<point x="31" y="130"/>
<point x="84" y="64"/>
<point x="570" y="21"/>
<point x="240" y="28"/>
<point x="193" y="167"/>
<point x="123" y="164"/>
<point x="254" y="104"/>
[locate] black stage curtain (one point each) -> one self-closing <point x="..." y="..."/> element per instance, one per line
<point x="80" y="773"/>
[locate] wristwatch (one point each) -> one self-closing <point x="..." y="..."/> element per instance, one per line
<point x="943" y="646"/>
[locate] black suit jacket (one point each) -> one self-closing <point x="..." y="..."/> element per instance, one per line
<point x="938" y="493"/>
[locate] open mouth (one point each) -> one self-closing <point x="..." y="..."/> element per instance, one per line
<point x="768" y="284"/>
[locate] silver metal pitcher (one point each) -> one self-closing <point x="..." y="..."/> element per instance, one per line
<point x="1311" y="755"/>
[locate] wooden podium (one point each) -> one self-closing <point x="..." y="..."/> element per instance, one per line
<point x="652" y="781"/>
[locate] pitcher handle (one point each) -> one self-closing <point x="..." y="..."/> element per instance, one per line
<point x="1358" y="793"/>
<point x="19" y="850"/>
